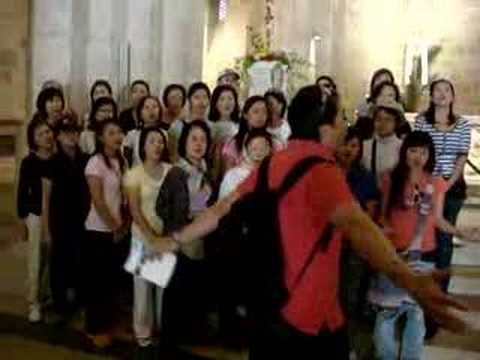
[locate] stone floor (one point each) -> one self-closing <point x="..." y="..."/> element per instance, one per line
<point x="19" y="340"/>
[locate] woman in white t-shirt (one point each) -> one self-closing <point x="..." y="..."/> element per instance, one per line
<point x="104" y="226"/>
<point x="142" y="184"/>
<point x="258" y="146"/>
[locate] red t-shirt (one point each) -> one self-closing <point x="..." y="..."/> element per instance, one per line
<point x="403" y="220"/>
<point x="304" y="212"/>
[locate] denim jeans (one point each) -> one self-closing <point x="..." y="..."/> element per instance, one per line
<point x="444" y="251"/>
<point x="411" y="338"/>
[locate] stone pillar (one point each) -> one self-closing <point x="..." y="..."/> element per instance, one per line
<point x="51" y="46"/>
<point x="13" y="70"/>
<point x="183" y="32"/>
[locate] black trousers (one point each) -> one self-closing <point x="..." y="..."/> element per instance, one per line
<point x="279" y="340"/>
<point x="185" y="300"/>
<point x="65" y="268"/>
<point x="104" y="272"/>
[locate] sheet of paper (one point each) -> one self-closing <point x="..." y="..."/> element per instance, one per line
<point x="159" y="270"/>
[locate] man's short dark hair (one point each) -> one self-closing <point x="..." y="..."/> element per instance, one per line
<point x="308" y="111"/>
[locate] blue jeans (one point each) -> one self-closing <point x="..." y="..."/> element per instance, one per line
<point x="412" y="336"/>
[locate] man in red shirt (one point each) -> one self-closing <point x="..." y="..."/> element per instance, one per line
<point x="312" y="322"/>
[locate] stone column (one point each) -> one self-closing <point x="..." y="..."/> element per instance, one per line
<point x="51" y="46"/>
<point x="182" y="31"/>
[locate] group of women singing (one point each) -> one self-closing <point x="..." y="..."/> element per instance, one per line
<point x="95" y="188"/>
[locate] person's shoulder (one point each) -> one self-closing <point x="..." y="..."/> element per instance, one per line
<point x="420" y="121"/>
<point x="29" y="158"/>
<point x="134" y="176"/>
<point x="176" y="171"/>
<point x="398" y="141"/>
<point x="235" y="172"/>
<point x="463" y="122"/>
<point x="96" y="161"/>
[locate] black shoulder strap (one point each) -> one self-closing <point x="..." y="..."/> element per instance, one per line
<point x="321" y="245"/>
<point x="374" y="157"/>
<point x="295" y="174"/>
<point x="299" y="170"/>
<point x="262" y="181"/>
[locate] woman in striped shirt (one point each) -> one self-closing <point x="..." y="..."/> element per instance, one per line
<point x="451" y="136"/>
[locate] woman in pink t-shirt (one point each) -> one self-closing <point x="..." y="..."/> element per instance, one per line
<point x="412" y="208"/>
<point x="104" y="225"/>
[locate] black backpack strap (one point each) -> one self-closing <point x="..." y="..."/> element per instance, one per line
<point x="298" y="171"/>
<point x="321" y="245"/>
<point x="324" y="240"/>
<point x="293" y="176"/>
<point x="262" y="181"/>
<point x="373" y="163"/>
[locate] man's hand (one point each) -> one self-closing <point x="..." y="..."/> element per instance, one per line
<point x="438" y="305"/>
<point x="163" y="244"/>
<point x="470" y="233"/>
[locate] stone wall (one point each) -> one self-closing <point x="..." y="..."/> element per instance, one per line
<point x="13" y="83"/>
<point x="77" y="42"/>
<point x="13" y="66"/>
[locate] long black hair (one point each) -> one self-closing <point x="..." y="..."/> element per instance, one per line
<point x="378" y="90"/>
<point x="45" y="95"/>
<point x="380" y="72"/>
<point x="280" y="97"/>
<point x="31" y="128"/>
<point x="214" y="114"/>
<point x="430" y="113"/>
<point x="171" y="88"/>
<point x="354" y="133"/>
<point x="401" y="172"/>
<point x="139" y="109"/>
<point x="196" y="87"/>
<point x="187" y="129"/>
<point x="143" y="139"/>
<point x="97" y="83"/>
<point x="92" y="120"/>
<point x="243" y="127"/>
<point x="100" y="146"/>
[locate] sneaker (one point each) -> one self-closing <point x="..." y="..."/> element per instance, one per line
<point x="34" y="314"/>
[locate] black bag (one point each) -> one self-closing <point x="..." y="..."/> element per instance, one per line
<point x="251" y="248"/>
